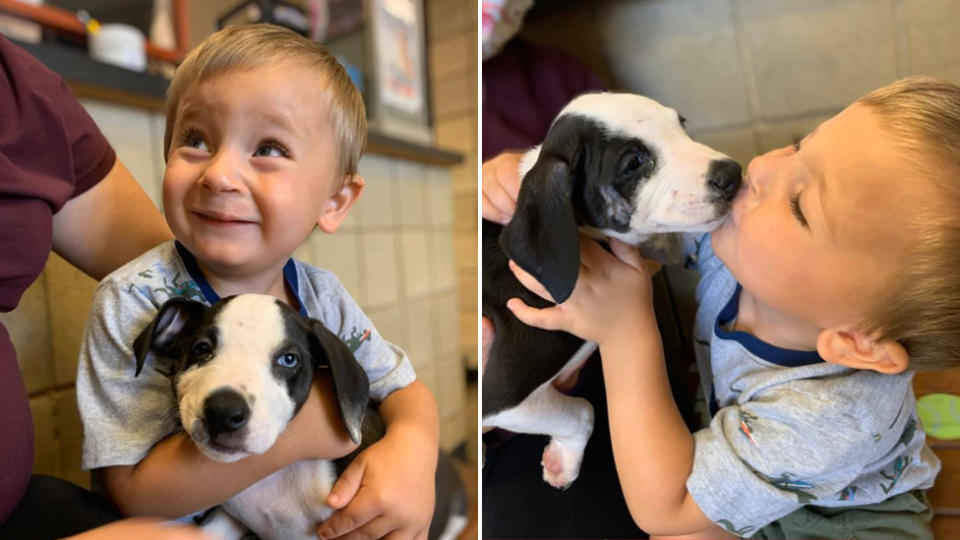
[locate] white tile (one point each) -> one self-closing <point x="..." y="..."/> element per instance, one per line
<point x="738" y="143"/>
<point x="446" y="323"/>
<point x="29" y="330"/>
<point x="380" y="268"/>
<point x="452" y="382"/>
<point x="46" y="448"/>
<point x="417" y="264"/>
<point x="158" y="124"/>
<point x="390" y="324"/>
<point x="811" y="56"/>
<point x="444" y="260"/>
<point x="452" y="433"/>
<point x="427" y="375"/>
<point x="932" y="38"/>
<point x="410" y="193"/>
<point x="419" y="338"/>
<point x="130" y="133"/>
<point x="682" y="53"/>
<point x="773" y="135"/>
<point x="375" y="207"/>
<point x="340" y="254"/>
<point x="439" y="196"/>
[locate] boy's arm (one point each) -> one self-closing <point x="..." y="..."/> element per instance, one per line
<point x="398" y="473"/>
<point x="175" y="479"/>
<point x="652" y="447"/>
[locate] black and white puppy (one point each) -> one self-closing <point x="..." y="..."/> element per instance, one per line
<point x="615" y="165"/>
<point x="240" y="370"/>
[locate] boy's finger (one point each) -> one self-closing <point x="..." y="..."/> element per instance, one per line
<point x="490" y="212"/>
<point x="486" y="338"/>
<point x="378" y="527"/>
<point x="530" y="282"/>
<point x="627" y="253"/>
<point x="548" y="319"/>
<point x="499" y="198"/>
<point x="357" y="514"/>
<point x="345" y="488"/>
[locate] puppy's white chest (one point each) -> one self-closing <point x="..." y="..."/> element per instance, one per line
<point x="288" y="504"/>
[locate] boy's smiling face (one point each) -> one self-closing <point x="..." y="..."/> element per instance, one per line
<point x="252" y="167"/>
<point x="818" y="232"/>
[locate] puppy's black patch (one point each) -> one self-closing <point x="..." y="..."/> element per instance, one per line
<point x="296" y="339"/>
<point x="584" y="176"/>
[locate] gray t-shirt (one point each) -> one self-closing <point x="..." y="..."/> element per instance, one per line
<point x="789" y="429"/>
<point x="124" y="416"/>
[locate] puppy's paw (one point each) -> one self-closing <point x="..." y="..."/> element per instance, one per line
<point x="561" y="463"/>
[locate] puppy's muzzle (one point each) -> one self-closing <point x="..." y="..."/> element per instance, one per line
<point x="225" y="414"/>
<point x="723" y="177"/>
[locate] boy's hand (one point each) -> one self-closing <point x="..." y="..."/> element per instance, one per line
<point x="387" y="491"/>
<point x="500" y="184"/>
<point x="613" y="295"/>
<point x="143" y="529"/>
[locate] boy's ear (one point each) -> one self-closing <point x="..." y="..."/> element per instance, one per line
<point x="856" y="349"/>
<point x="339" y="204"/>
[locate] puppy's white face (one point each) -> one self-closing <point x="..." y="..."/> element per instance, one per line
<point x="249" y="358"/>
<point x="672" y="193"/>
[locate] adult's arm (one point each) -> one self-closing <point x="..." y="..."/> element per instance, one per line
<point x="107" y="225"/>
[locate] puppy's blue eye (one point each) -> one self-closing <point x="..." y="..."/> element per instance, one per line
<point x="201" y="348"/>
<point x="288" y="360"/>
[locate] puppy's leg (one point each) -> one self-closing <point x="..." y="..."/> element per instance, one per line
<point x="222" y="526"/>
<point x="567" y="420"/>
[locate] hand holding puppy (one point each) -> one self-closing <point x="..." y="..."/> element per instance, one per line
<point x="500" y="186"/>
<point x="613" y="295"/>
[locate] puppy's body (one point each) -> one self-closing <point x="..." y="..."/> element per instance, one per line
<point x="240" y="370"/>
<point x="616" y="165"/>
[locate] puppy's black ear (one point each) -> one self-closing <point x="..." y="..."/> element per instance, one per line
<point x="542" y="237"/>
<point x="349" y="380"/>
<point x="177" y="317"/>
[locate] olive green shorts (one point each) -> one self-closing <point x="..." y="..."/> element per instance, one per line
<point x="904" y="516"/>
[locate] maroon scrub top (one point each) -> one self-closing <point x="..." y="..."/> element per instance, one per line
<point x="50" y="151"/>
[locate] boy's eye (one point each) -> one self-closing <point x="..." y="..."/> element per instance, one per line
<point x="797" y="212"/>
<point x="271" y="149"/>
<point x="194" y="139"/>
<point x="796" y="145"/>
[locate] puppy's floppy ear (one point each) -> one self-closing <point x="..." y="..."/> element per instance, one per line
<point x="349" y="380"/>
<point x="542" y="236"/>
<point x="177" y="317"/>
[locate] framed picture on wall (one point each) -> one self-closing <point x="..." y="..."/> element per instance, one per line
<point x="398" y="99"/>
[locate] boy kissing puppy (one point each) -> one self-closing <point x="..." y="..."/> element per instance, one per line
<point x="834" y="278"/>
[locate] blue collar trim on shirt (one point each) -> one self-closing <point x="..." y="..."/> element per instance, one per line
<point x="770" y="353"/>
<point x="211" y="296"/>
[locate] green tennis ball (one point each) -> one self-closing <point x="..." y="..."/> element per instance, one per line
<point x="940" y="415"/>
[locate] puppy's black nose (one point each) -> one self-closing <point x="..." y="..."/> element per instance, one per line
<point x="724" y="177"/>
<point x="225" y="411"/>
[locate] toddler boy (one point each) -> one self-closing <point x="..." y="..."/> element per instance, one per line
<point x="264" y="131"/>
<point x="835" y="272"/>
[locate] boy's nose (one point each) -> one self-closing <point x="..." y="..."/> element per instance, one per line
<point x="221" y="175"/>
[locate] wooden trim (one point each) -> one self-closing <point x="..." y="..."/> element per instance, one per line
<point x="114" y="95"/>
<point x="65" y="21"/>
<point x="385" y="145"/>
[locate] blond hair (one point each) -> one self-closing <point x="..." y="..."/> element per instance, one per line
<point x="250" y="46"/>
<point x="922" y="308"/>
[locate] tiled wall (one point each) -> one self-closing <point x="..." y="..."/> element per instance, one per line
<point x="750" y="75"/>
<point x="452" y="44"/>
<point x="395" y="255"/>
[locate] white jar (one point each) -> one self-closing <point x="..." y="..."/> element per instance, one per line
<point x="119" y="44"/>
